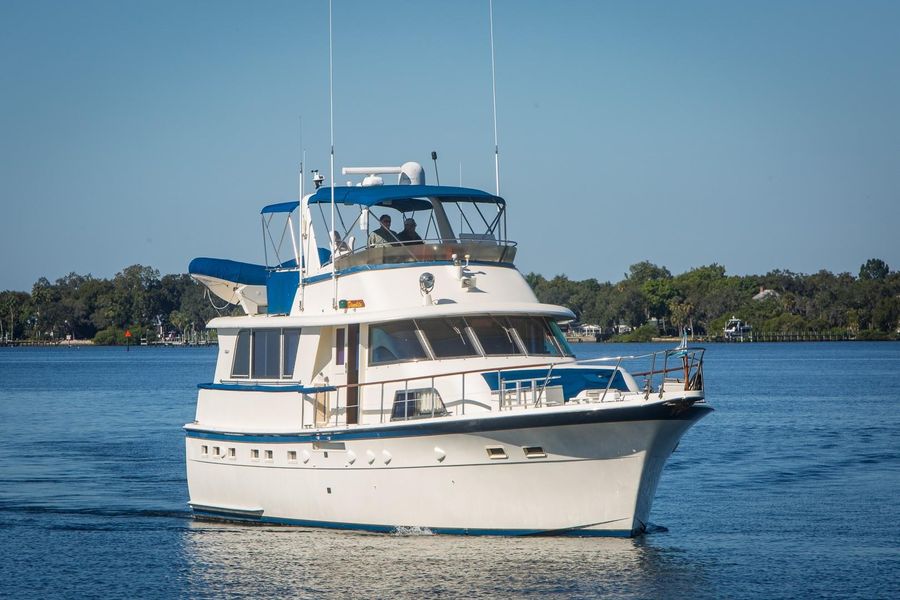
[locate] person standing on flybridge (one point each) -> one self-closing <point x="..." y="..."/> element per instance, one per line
<point x="409" y="236"/>
<point x="383" y="236"/>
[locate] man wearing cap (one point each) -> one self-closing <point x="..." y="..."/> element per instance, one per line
<point x="409" y="236"/>
<point x="383" y="236"/>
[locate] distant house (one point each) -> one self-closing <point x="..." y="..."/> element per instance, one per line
<point x="764" y="294"/>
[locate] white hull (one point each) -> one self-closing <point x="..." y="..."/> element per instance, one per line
<point x="596" y="478"/>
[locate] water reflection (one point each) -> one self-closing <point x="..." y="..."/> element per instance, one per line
<point x="234" y="560"/>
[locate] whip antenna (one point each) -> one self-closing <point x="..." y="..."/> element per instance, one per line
<point x="494" y="95"/>
<point x="331" y="127"/>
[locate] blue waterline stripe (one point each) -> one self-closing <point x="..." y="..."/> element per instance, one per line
<point x="255" y="387"/>
<point x="433" y="263"/>
<point x="228" y="516"/>
<point x="436" y="427"/>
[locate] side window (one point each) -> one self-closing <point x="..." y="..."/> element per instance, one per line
<point x="560" y="338"/>
<point x="535" y="335"/>
<point x="447" y="337"/>
<point x="241" y="365"/>
<point x="394" y="342"/>
<point x="291" y="343"/>
<point x="266" y="354"/>
<point x="494" y="336"/>
<point x="340" y="346"/>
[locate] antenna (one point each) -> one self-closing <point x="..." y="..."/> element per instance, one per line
<point x="331" y="126"/>
<point x="437" y="177"/>
<point x="494" y="95"/>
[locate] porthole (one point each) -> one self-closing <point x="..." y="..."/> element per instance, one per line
<point x="270" y="454"/>
<point x="534" y="452"/>
<point x="496" y="452"/>
<point x="292" y="456"/>
<point x="254" y="454"/>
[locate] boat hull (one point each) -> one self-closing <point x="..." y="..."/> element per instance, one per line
<point x="584" y="471"/>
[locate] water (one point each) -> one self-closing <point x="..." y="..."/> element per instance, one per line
<point x="791" y="488"/>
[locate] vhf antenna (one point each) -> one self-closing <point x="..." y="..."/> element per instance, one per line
<point x="494" y="95"/>
<point x="331" y="124"/>
<point x="437" y="177"/>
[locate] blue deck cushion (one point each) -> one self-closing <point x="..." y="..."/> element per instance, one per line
<point x="573" y="381"/>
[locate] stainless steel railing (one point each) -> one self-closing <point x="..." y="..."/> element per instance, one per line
<point x="512" y="392"/>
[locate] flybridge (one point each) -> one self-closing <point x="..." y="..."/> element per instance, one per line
<point x="373" y="226"/>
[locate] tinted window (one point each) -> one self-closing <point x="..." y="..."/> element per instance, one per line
<point x="492" y="334"/>
<point x="291" y="342"/>
<point x="447" y="337"/>
<point x="390" y="342"/>
<point x="266" y="354"/>
<point x="560" y="338"/>
<point x="241" y="365"/>
<point x="535" y="335"/>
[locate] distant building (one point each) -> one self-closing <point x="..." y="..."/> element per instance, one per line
<point x="765" y="294"/>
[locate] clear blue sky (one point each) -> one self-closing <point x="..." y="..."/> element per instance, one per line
<point x="757" y="135"/>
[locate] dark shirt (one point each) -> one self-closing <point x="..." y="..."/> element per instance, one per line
<point x="409" y="238"/>
<point x="382" y="237"/>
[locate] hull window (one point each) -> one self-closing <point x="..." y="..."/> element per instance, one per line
<point x="417" y="404"/>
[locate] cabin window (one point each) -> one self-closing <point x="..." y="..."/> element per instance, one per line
<point x="417" y="404"/>
<point x="254" y="454"/>
<point x="495" y="337"/>
<point x="447" y="337"/>
<point x="394" y="342"/>
<point x="291" y="343"/>
<point x="535" y="335"/>
<point x="560" y="338"/>
<point x="266" y="363"/>
<point x="340" y="346"/>
<point x="241" y="365"/>
<point x="265" y="354"/>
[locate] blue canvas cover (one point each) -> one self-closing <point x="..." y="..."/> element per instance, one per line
<point x="401" y="197"/>
<point x="228" y="270"/>
<point x="281" y="286"/>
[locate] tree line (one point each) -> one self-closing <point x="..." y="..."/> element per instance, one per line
<point x="653" y="301"/>
<point x="649" y="299"/>
<point x="83" y="307"/>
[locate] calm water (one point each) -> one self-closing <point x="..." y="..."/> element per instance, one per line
<point x="791" y="488"/>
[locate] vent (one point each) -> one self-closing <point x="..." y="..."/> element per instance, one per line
<point x="496" y="452"/>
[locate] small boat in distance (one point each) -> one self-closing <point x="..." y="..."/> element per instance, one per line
<point x="737" y="330"/>
<point x="389" y="377"/>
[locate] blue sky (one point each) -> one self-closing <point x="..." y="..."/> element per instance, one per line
<point x="757" y="135"/>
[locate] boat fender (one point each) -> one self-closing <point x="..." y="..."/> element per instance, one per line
<point x="439" y="454"/>
<point x="386" y="457"/>
<point x="370" y="456"/>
